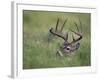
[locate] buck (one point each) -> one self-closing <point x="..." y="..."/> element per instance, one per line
<point x="67" y="47"/>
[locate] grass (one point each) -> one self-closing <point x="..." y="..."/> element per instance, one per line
<point x="39" y="46"/>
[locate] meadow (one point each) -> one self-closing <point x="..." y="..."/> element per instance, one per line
<point x="39" y="46"/>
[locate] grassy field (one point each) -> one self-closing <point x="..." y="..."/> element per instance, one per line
<point x="39" y="46"/>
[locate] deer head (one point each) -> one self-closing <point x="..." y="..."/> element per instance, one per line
<point x="67" y="47"/>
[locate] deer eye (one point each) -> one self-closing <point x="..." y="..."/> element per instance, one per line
<point x="68" y="48"/>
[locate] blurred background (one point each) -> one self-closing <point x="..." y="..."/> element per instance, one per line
<point x="40" y="47"/>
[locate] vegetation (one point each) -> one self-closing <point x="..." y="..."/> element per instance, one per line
<point x="39" y="46"/>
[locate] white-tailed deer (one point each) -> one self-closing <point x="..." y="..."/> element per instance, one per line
<point x="67" y="47"/>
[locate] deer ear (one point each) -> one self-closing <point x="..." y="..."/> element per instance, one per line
<point x="77" y="45"/>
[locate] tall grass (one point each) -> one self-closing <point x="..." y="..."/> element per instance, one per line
<point x="39" y="48"/>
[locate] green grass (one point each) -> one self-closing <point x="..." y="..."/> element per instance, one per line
<point x="39" y="46"/>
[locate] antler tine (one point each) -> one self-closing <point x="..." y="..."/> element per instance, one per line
<point x="57" y="25"/>
<point x="76" y="26"/>
<point x="77" y="33"/>
<point x="63" y="25"/>
<point x="75" y="40"/>
<point x="66" y="36"/>
<point x="80" y="25"/>
<point x="73" y="37"/>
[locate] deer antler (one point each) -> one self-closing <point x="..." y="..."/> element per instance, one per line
<point x="59" y="33"/>
<point x="65" y="38"/>
<point x="77" y="33"/>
